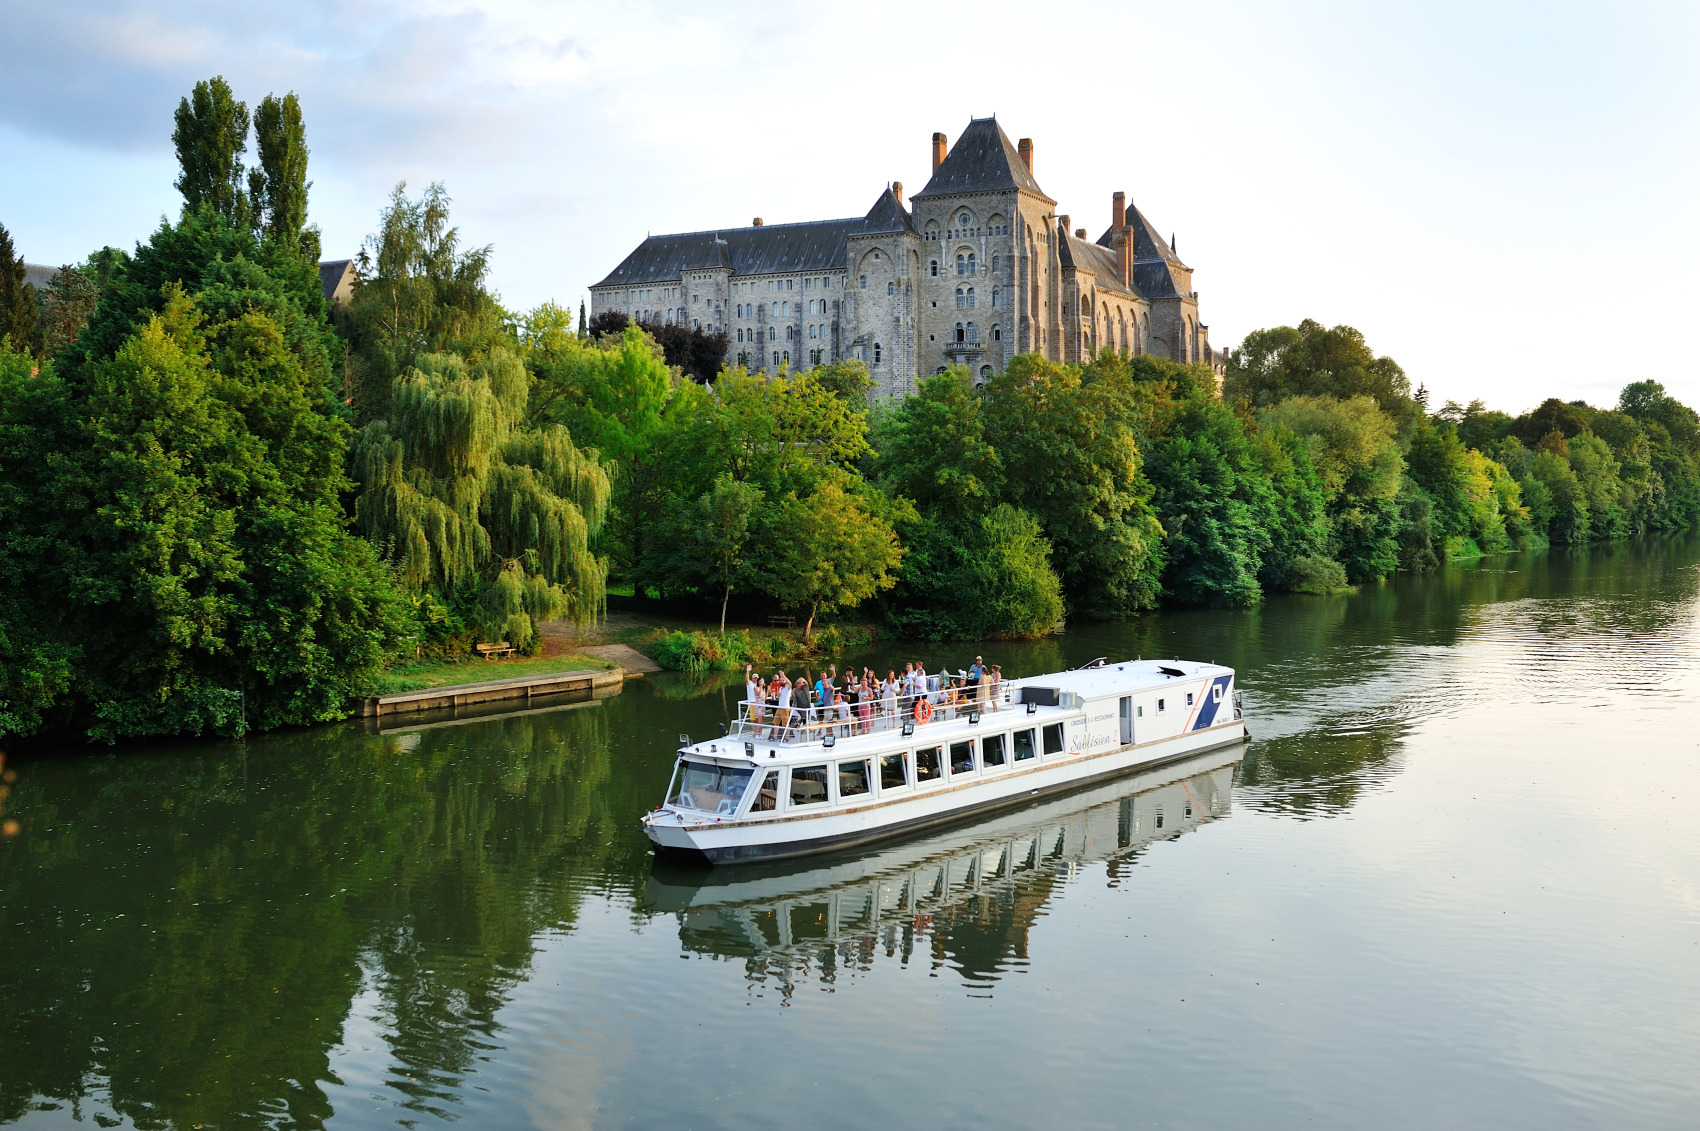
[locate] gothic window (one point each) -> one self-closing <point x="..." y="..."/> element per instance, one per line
<point x="776" y="359"/>
<point x="962" y="265"/>
<point x="786" y="356"/>
<point x="960" y="334"/>
<point x="935" y="267"/>
<point x="973" y="335"/>
<point x="997" y="297"/>
<point x="941" y="369"/>
<point x="970" y="298"/>
<point x="773" y="333"/>
<point x="961" y="298"/>
<point x="971" y="263"/>
<point x="740" y="335"/>
<point x="994" y="265"/>
<point x="891" y="288"/>
<point x="985" y="373"/>
<point x="876" y="353"/>
<point x="997" y="333"/>
<point x="862" y="282"/>
<point x="811" y="331"/>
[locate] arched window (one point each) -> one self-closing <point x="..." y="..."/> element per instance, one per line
<point x="970" y="298"/>
<point x="973" y="335"/>
<point x="890" y="288"/>
<point x="773" y="333"/>
<point x="935" y="267"/>
<point x="994" y="265"/>
<point x="862" y="282"/>
<point x="786" y="357"/>
<point x="740" y="335"/>
<point x="876" y="353"/>
<point x="985" y="373"/>
<point x="940" y="369"/>
<point x="961" y="298"/>
<point x="811" y="331"/>
<point x="776" y="359"/>
<point x="997" y="333"/>
<point x="960" y="333"/>
<point x="962" y="265"/>
<point x="971" y="263"/>
<point x="996" y="298"/>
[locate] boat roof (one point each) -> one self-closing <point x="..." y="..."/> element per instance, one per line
<point x="1126" y="678"/>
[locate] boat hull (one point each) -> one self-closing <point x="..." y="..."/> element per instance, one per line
<point x="777" y="839"/>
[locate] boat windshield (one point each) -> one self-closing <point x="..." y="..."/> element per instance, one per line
<point x="711" y="788"/>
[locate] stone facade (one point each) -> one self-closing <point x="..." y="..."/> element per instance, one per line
<point x="977" y="268"/>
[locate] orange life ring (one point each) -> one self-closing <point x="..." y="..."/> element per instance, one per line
<point x="923" y="712"/>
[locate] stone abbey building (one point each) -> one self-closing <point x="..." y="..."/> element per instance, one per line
<point x="978" y="268"/>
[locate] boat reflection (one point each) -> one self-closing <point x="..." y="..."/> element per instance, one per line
<point x="995" y="873"/>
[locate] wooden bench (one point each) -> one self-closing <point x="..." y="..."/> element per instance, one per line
<point x="491" y="651"/>
<point x="781" y="622"/>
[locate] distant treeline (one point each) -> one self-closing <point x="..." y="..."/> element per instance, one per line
<point x="225" y="504"/>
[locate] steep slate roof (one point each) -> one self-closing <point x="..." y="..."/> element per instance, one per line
<point x="1076" y="252"/>
<point x="982" y="160"/>
<point x="770" y="249"/>
<point x="39" y="275"/>
<point x="332" y="274"/>
<point x="1153" y="261"/>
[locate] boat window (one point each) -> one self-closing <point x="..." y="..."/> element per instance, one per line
<point x="1159" y="706"/>
<point x="1053" y="739"/>
<point x="1189" y="699"/>
<point x="1024" y="749"/>
<point x="1159" y="816"/>
<point x="962" y="757"/>
<point x="711" y="788"/>
<point x="808" y="785"/>
<point x="1216" y="694"/>
<point x="767" y="799"/>
<point x="853" y="778"/>
<point x="893" y="773"/>
<point x="1139" y="711"/>
<point x="992" y="750"/>
<point x="927" y="767"/>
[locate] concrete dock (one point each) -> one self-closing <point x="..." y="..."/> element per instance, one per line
<point x="524" y="688"/>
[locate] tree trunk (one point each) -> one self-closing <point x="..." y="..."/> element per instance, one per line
<point x="723" y="601"/>
<point x="809" y="625"/>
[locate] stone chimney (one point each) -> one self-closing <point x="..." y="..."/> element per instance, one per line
<point x="938" y="151"/>
<point x="1118" y="211"/>
<point x="1062" y="222"/>
<point x="756" y="222"/>
<point x="1080" y="233"/>
<point x="1025" y="148"/>
<point x="1123" y="239"/>
<point x="897" y="190"/>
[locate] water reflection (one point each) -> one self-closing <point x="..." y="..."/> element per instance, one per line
<point x="964" y="898"/>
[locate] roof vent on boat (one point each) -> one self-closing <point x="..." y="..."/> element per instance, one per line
<point x="1043" y="696"/>
<point x="1166" y="670"/>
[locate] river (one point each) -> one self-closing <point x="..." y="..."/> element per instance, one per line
<point x="1454" y="880"/>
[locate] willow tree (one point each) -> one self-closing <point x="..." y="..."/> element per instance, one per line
<point x="463" y="496"/>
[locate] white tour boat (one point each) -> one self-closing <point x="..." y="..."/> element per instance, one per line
<point x="783" y="784"/>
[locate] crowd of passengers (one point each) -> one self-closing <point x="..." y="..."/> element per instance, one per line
<point x="782" y="708"/>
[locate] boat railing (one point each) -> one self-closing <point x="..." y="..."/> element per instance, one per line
<point x="813" y="724"/>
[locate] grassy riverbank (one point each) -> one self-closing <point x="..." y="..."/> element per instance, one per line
<point x="420" y="675"/>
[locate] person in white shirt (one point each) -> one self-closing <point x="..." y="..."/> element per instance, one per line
<point x="782" y="715"/>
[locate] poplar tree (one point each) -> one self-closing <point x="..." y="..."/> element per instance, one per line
<point x="211" y="137"/>
<point x="278" y="187"/>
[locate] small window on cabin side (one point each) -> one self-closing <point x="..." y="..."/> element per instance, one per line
<point x="853" y="778"/>
<point x="1159" y="706"/>
<point x="808" y="785"/>
<point x="767" y="798"/>
<point x="927" y="765"/>
<point x="1053" y="739"/>
<point x="894" y="771"/>
<point x="1139" y="711"/>
<point x="1189" y="699"/>
<point x="992" y="751"/>
<point x="962" y="757"/>
<point x="1216" y="694"/>
<point x="1024" y="751"/>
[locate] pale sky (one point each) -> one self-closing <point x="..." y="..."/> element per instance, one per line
<point x="1500" y="196"/>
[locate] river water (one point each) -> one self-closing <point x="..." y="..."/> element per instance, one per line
<point x="1453" y="881"/>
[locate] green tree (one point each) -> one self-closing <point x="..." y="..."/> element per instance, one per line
<point x="828" y="550"/>
<point x="461" y="494"/>
<point x="277" y="189"/>
<point x="211" y="137"/>
<point x="1066" y="439"/>
<point x="1313" y="360"/>
<point x="17" y="297"/>
<point x="185" y="550"/>
<point x="1353" y="447"/>
<point x="70" y="301"/>
<point x="720" y="535"/>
